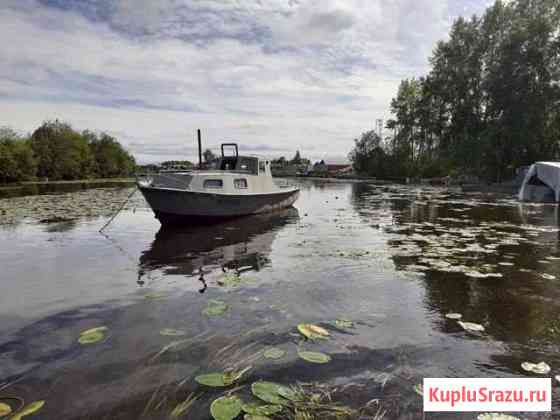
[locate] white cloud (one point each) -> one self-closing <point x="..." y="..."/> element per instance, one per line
<point x="308" y="75"/>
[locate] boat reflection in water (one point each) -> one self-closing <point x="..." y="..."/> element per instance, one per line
<point x="242" y="245"/>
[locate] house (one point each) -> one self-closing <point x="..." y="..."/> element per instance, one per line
<point x="335" y="170"/>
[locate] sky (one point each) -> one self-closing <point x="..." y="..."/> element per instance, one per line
<point x="275" y="76"/>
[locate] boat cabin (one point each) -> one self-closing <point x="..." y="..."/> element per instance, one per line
<point x="231" y="175"/>
<point x="244" y="164"/>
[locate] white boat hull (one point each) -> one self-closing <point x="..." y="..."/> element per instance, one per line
<point x="192" y="207"/>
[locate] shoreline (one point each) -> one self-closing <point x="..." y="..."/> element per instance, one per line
<point x="59" y="187"/>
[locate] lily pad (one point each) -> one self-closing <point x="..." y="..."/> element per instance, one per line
<point x="28" y="410"/>
<point x="220" y="380"/>
<point x="93" y="335"/>
<point x="255" y="417"/>
<point x="171" y="332"/>
<point x="226" y="408"/>
<point x="5" y="409"/>
<point x="496" y="416"/>
<point x="313" y="332"/>
<point x="539" y="368"/>
<point x="261" y="410"/>
<point x="453" y="316"/>
<point x="215" y="380"/>
<point x="215" y="308"/>
<point x="274" y="353"/>
<point x="289" y="393"/>
<point x="471" y="326"/>
<point x="314" y="357"/>
<point x="269" y="392"/>
<point x="343" y="323"/>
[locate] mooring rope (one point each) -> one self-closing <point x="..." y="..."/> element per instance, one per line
<point x="119" y="210"/>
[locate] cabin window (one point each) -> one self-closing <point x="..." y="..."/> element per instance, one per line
<point x="213" y="183"/>
<point x="240" y="184"/>
<point x="262" y="166"/>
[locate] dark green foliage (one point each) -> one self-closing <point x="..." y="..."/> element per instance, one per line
<point x="297" y="159"/>
<point x="491" y="101"/>
<point x="17" y="162"/>
<point x="110" y="159"/>
<point x="368" y="157"/>
<point x="55" y="151"/>
<point x="62" y="153"/>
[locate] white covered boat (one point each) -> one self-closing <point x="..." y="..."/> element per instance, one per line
<point x="238" y="186"/>
<point x="541" y="183"/>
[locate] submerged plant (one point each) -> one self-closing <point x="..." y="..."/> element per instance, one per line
<point x="274" y="353"/>
<point x="28" y="410"/>
<point x="5" y="409"/>
<point x="215" y="308"/>
<point x="182" y="408"/>
<point x="93" y="335"/>
<point x="233" y="280"/>
<point x="171" y="332"/>
<point x="155" y="295"/>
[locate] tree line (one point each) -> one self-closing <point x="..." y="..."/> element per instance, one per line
<point x="489" y="104"/>
<point x="55" y="151"/>
<point x="296" y="160"/>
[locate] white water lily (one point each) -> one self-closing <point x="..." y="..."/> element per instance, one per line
<point x="471" y="326"/>
<point x="540" y="368"/>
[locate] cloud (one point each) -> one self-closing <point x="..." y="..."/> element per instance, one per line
<point x="273" y="75"/>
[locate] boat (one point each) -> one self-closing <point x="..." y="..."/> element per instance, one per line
<point x="236" y="186"/>
<point x="541" y="183"/>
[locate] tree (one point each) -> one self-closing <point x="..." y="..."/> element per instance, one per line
<point x="281" y="161"/>
<point x="490" y="102"/>
<point x="297" y="159"/>
<point x="367" y="156"/>
<point x="17" y="162"/>
<point x="62" y="152"/>
<point x="110" y="158"/>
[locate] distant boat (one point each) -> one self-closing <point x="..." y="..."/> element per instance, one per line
<point x="541" y="183"/>
<point x="240" y="186"/>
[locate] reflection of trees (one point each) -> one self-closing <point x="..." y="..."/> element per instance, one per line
<point x="394" y="201"/>
<point x="241" y="244"/>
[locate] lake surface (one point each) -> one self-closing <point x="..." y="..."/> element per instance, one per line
<point x="393" y="259"/>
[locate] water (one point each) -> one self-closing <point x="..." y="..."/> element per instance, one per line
<point x="393" y="259"/>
